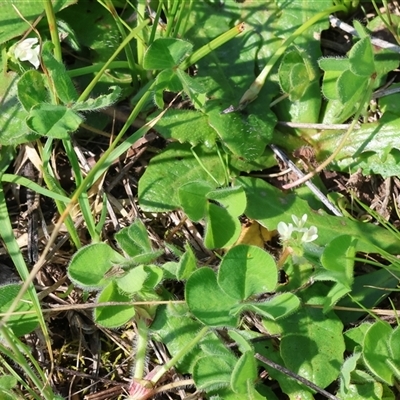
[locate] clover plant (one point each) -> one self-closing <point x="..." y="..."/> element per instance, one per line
<point x="210" y="53"/>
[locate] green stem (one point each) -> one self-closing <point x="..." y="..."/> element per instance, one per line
<point x="83" y="198"/>
<point x="72" y="73"/>
<point x="182" y="28"/>
<point x="128" y="49"/>
<point x="140" y="46"/>
<point x="7" y="234"/>
<point x="85" y="94"/>
<point x="155" y="23"/>
<point x="177" y="357"/>
<point x="209" y="47"/>
<point x="203" y="167"/>
<point x="252" y="93"/>
<point x="141" y="348"/>
<point x="51" y="19"/>
<point x="171" y="22"/>
<point x="22" y="181"/>
<point x="17" y="352"/>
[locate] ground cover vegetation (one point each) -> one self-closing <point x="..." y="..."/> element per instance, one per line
<point x="199" y="199"/>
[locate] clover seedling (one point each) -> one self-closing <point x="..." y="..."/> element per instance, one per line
<point x="347" y="79"/>
<point x="118" y="278"/>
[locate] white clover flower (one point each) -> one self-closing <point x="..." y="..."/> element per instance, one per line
<point x="310" y="235"/>
<point x="24" y="51"/>
<point x="299" y="222"/>
<point x="285" y="230"/>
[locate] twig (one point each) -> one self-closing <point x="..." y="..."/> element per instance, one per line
<point x="295" y="376"/>
<point x="336" y="22"/>
<point x="279" y="153"/>
<point x="307" y="125"/>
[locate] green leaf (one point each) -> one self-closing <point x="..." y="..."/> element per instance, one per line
<point x="175" y="328"/>
<point x="99" y="102"/>
<point x="338" y="260"/>
<point x="376" y="138"/>
<point x="268" y="205"/>
<point x="145" y="258"/>
<point x="7" y="382"/>
<point x="187" y="264"/>
<point x="312" y="343"/>
<point x="13" y="129"/>
<point x="192" y="198"/>
<point x="186" y="126"/>
<point x="394" y="347"/>
<point x="166" y="80"/>
<point x="364" y="291"/>
<point x="233" y="199"/>
<point x="361" y="58"/>
<point x="12" y="25"/>
<point x="89" y="265"/>
<point x="348" y="367"/>
<point x="133" y="280"/>
<point x="63" y="85"/>
<point x="246" y="271"/>
<point x="26" y="321"/>
<point x="207" y="301"/>
<point x="56" y="121"/>
<point x="376" y="351"/>
<point x="329" y="85"/>
<point x="361" y="30"/>
<point x="279" y="306"/>
<point x="242" y="337"/>
<point x="113" y="316"/>
<point x="244" y="135"/>
<point x="338" y="257"/>
<point x="333" y="64"/>
<point x="192" y="88"/>
<point x="293" y="75"/>
<point x="288" y="385"/>
<point x="354" y="337"/>
<point x="244" y="373"/>
<point x="174" y="167"/>
<point x="212" y="372"/>
<point x="386" y="61"/>
<point x="222" y="229"/>
<point x="96" y="29"/>
<point x="166" y="53"/>
<point x="32" y="89"/>
<point x="134" y="239"/>
<point x="350" y="88"/>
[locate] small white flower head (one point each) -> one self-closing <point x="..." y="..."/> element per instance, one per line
<point x="299" y="223"/>
<point x="290" y="232"/>
<point x="309" y="235"/>
<point x="25" y="51"/>
<point x="285" y="231"/>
